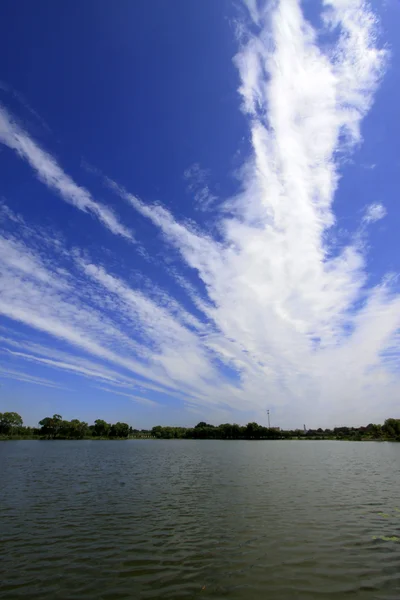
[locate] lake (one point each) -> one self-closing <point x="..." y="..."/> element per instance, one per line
<point x="242" y="520"/>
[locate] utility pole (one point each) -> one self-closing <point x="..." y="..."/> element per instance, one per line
<point x="269" y="424"/>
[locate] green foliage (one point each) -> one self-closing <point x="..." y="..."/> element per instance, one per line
<point x="120" y="430"/>
<point x="101" y="428"/>
<point x="55" y="427"/>
<point x="391" y="428"/>
<point x="10" y="423"/>
<point x="75" y="429"/>
<point x="253" y="431"/>
<point x="51" y="426"/>
<point x="225" y="431"/>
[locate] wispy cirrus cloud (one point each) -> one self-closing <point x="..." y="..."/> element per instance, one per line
<point x="28" y="378"/>
<point x="374" y="212"/>
<point x="50" y="173"/>
<point x="289" y="313"/>
<point x="10" y="91"/>
<point x="154" y="339"/>
<point x="273" y="315"/>
<point x="60" y="360"/>
<point x="197" y="185"/>
<point x="133" y="397"/>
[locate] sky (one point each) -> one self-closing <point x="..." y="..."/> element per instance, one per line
<point x="199" y="211"/>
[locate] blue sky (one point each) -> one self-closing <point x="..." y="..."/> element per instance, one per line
<point x="199" y="211"/>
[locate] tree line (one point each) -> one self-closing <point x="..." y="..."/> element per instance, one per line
<point x="55" y="427"/>
<point x="389" y="431"/>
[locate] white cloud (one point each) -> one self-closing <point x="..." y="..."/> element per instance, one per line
<point x="23" y="102"/>
<point x="27" y="264"/>
<point x="100" y="315"/>
<point x="280" y="321"/>
<point x="197" y="185"/>
<point x="50" y="173"/>
<point x="6" y="373"/>
<point x="374" y="212"/>
<point x="48" y="356"/>
<point x="290" y="320"/>
<point x="133" y="397"/>
<point x="253" y="10"/>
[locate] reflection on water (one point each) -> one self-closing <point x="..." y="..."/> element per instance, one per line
<point x="187" y="519"/>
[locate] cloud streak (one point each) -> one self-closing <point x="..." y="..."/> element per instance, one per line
<point x="50" y="173"/>
<point x="287" y="308"/>
<point x="6" y="373"/>
<point x="374" y="212"/>
<point x="70" y="307"/>
<point x="273" y="315"/>
<point x="133" y="397"/>
<point x="197" y="185"/>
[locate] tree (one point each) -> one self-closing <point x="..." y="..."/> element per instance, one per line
<point x="51" y="425"/>
<point x="157" y="431"/>
<point x="9" y="421"/>
<point x="236" y="431"/>
<point x="76" y="429"/>
<point x="252" y="430"/>
<point x="374" y="431"/>
<point x="101" y="428"/>
<point x="119" y="430"/>
<point x="391" y="428"/>
<point x="226" y="431"/>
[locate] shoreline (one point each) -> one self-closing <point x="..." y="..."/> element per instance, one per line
<point x="115" y="439"/>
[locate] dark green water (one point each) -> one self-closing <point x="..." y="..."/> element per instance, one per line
<point x="188" y="519"/>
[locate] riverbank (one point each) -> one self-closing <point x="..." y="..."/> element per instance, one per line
<point x="11" y="438"/>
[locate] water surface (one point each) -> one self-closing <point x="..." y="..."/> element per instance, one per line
<point x="186" y="519"/>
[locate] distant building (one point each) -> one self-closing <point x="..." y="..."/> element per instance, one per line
<point x="275" y="428"/>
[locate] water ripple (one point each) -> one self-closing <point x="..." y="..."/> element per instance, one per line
<point x="184" y="519"/>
